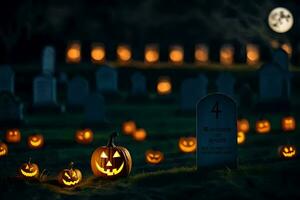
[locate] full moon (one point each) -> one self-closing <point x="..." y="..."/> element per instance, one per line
<point x="280" y="20"/>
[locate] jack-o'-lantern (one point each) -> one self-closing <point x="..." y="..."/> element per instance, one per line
<point x="201" y="53"/>
<point x="287" y="48"/>
<point x="263" y="126"/>
<point x="176" y="54"/>
<point x="73" y="54"/>
<point x="84" y="136"/>
<point x="70" y="177"/>
<point x="140" y="134"/>
<point x="288" y="123"/>
<point x="111" y="161"/>
<point x="227" y="55"/>
<point x="164" y="86"/>
<point x="287" y="151"/>
<point x="243" y="125"/>
<point x="13" y="136"/>
<point x="241" y="137"/>
<point x="128" y="127"/>
<point x="98" y="53"/>
<point x="29" y="170"/>
<point x="187" y="144"/>
<point x="124" y="53"/>
<point x="151" y="54"/>
<point x="252" y="54"/>
<point x="154" y="157"/>
<point x="35" y="141"/>
<point x="3" y="149"/>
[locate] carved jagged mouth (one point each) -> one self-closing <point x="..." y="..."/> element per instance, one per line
<point x="2" y="153"/>
<point x="108" y="172"/>
<point x="291" y="154"/>
<point x="70" y="183"/>
<point x="187" y="148"/>
<point x="36" y="144"/>
<point x="28" y="174"/>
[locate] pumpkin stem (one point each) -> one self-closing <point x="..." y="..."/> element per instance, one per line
<point x="71" y="165"/>
<point x="29" y="160"/>
<point x="111" y="140"/>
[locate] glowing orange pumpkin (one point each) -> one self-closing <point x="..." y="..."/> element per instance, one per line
<point x="13" y="136"/>
<point x="164" y="86"/>
<point x="35" y="141"/>
<point x="227" y="55"/>
<point x="151" y="54"/>
<point x="85" y="136"/>
<point x="98" y="53"/>
<point x="154" y="157"/>
<point x="288" y="123"/>
<point x="287" y="151"/>
<point x="128" y="127"/>
<point x="3" y="149"/>
<point x="176" y="54"/>
<point x="73" y="53"/>
<point x="70" y="177"/>
<point x="252" y="54"/>
<point x="139" y="134"/>
<point x="29" y="170"/>
<point x="124" y="53"/>
<point x="201" y="53"/>
<point x="243" y="125"/>
<point x="241" y="137"/>
<point x="263" y="126"/>
<point x="287" y="48"/>
<point x="187" y="144"/>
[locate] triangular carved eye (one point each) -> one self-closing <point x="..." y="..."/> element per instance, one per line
<point x="103" y="155"/>
<point x="116" y="155"/>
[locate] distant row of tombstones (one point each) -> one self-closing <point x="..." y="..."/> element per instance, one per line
<point x="274" y="84"/>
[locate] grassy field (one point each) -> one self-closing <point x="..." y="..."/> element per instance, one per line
<point x="261" y="173"/>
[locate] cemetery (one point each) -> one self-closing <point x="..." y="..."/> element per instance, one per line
<point x="83" y="121"/>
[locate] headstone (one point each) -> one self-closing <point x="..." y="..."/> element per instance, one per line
<point x="281" y="58"/>
<point x="191" y="91"/>
<point x="94" y="109"/>
<point x="225" y="84"/>
<point x="63" y="77"/>
<point x="44" y="90"/>
<point x="138" y="85"/>
<point x="48" y="60"/>
<point x="7" y="79"/>
<point x="11" y="109"/>
<point x="78" y="90"/>
<point x="216" y="132"/>
<point x="107" y="80"/>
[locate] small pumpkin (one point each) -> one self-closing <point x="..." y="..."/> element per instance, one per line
<point x="263" y="126"/>
<point x="3" y="149"/>
<point x="288" y="123"/>
<point x="154" y="157"/>
<point x="164" y="86"/>
<point x="187" y="144"/>
<point x="111" y="161"/>
<point x="241" y="137"/>
<point x="139" y="134"/>
<point x="287" y="151"/>
<point x="243" y="125"/>
<point x="35" y="141"/>
<point x="128" y="127"/>
<point x="85" y="136"/>
<point x="70" y="177"/>
<point x="29" y="170"/>
<point x="13" y="136"/>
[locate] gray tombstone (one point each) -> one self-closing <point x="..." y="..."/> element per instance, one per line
<point x="11" y="109"/>
<point x="63" y="78"/>
<point x="225" y="84"/>
<point x="191" y="91"/>
<point x="7" y="79"/>
<point x="138" y="85"/>
<point x="216" y="132"/>
<point x="107" y="80"/>
<point x="281" y="58"/>
<point x="48" y="60"/>
<point x="78" y="90"/>
<point x="44" y="90"/>
<point x="94" y="109"/>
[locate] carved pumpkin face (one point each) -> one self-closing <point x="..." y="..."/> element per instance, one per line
<point x="140" y="134"/>
<point x="287" y="151"/>
<point x="111" y="161"/>
<point x="187" y="144"/>
<point x="73" y="54"/>
<point x="241" y="137"/>
<point x="154" y="157"/>
<point x="13" y="136"/>
<point x="164" y="86"/>
<point x="35" y="141"/>
<point x="263" y="126"/>
<point x="3" y="149"/>
<point x="29" y="170"/>
<point x="243" y="125"/>
<point x="128" y="127"/>
<point x="288" y="123"/>
<point x="84" y="136"/>
<point x="70" y="177"/>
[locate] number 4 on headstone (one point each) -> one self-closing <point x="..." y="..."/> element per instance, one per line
<point x="216" y="110"/>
